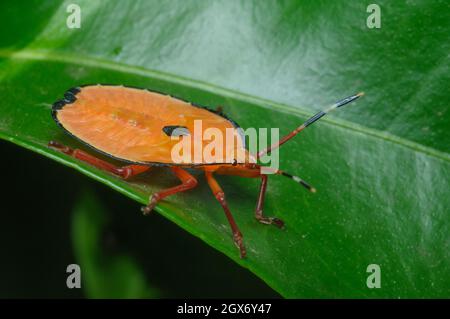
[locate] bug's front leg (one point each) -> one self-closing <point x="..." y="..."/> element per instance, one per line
<point x="220" y="196"/>
<point x="125" y="172"/>
<point x="260" y="205"/>
<point x="187" y="182"/>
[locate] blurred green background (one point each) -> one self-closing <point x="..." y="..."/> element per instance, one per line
<point x="382" y="166"/>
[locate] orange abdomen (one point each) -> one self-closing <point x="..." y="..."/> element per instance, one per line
<point x="127" y="123"/>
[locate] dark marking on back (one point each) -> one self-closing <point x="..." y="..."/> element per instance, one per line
<point x="69" y="97"/>
<point x="176" y="130"/>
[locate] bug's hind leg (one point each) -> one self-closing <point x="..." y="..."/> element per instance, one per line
<point x="187" y="182"/>
<point x="260" y="205"/>
<point x="125" y="172"/>
<point x="220" y="196"/>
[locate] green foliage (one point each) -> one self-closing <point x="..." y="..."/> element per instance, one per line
<point x="106" y="273"/>
<point x="381" y="166"/>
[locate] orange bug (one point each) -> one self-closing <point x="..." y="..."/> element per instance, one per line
<point x="137" y="127"/>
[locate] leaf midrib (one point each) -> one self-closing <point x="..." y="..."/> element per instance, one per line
<point x="91" y="61"/>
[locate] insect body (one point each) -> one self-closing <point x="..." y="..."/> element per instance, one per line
<point x="138" y="127"/>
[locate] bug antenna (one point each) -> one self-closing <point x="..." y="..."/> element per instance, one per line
<point x="310" y="121"/>
<point x="298" y="180"/>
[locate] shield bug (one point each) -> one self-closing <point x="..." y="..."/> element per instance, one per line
<point x="141" y="128"/>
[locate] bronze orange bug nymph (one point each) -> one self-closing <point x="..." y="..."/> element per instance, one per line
<point x="136" y="126"/>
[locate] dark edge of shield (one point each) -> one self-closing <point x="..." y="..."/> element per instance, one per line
<point x="70" y="96"/>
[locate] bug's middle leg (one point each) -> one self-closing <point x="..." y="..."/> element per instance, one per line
<point x="187" y="182"/>
<point x="260" y="205"/>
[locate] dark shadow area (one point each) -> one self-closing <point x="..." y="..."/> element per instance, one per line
<point x="35" y="242"/>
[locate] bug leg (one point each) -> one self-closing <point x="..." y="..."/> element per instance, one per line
<point x="125" y="172"/>
<point x="219" y="109"/>
<point x="220" y="196"/>
<point x="187" y="182"/>
<point x="260" y="204"/>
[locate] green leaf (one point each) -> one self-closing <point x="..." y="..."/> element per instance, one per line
<point x="381" y="166"/>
